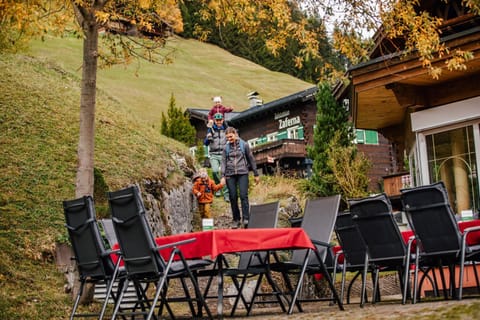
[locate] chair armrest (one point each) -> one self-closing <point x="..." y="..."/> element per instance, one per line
<point x="470" y="229"/>
<point x="175" y="244"/>
<point x="465" y="233"/>
<point x="321" y="243"/>
<point x="110" y="252"/>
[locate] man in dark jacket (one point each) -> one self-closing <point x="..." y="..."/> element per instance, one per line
<point x="215" y="141"/>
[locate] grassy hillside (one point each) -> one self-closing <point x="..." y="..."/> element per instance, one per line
<point x="39" y="133"/>
<point x="199" y="72"/>
<point x="39" y="115"/>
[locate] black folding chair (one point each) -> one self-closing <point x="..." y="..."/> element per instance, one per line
<point x="93" y="260"/>
<point x="440" y="242"/>
<point x="143" y="262"/>
<point x="354" y="250"/>
<point x="255" y="263"/>
<point x="386" y="249"/>
<point x="318" y="222"/>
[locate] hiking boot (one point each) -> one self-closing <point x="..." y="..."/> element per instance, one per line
<point x="235" y="224"/>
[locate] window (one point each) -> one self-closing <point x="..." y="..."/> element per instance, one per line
<point x="300" y="133"/>
<point x="366" y="136"/>
<point x="272" y="137"/>
<point x="261" y="140"/>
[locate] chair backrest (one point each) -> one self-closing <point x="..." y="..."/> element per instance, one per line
<point x="374" y="219"/>
<point x="107" y="226"/>
<point x="261" y="216"/>
<point x="134" y="235"/>
<point x="318" y="222"/>
<point x="350" y="239"/>
<point x="264" y="215"/>
<point x="87" y="243"/>
<point x="432" y="219"/>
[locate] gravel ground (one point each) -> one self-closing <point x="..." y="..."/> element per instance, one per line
<point x="451" y="309"/>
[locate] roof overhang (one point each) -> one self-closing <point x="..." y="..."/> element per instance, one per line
<point x="383" y="89"/>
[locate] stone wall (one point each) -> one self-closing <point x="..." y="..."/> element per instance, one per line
<point x="168" y="211"/>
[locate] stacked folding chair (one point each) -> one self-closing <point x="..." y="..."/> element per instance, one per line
<point x="354" y="250"/>
<point x="144" y="263"/>
<point x="440" y="242"/>
<point x="93" y="260"/>
<point x="386" y="249"/>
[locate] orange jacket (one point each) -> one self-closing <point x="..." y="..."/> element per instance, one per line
<point x="203" y="189"/>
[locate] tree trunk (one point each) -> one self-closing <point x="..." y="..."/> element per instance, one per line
<point x="86" y="143"/>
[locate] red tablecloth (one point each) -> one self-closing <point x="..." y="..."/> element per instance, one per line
<point x="215" y="242"/>
<point x="473" y="237"/>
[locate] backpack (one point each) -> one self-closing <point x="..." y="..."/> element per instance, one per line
<point x="242" y="147"/>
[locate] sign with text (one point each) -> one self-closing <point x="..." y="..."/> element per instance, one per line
<point x="288" y="122"/>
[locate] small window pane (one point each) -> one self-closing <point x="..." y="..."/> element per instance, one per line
<point x="371" y="137"/>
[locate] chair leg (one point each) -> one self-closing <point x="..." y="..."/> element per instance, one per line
<point x="462" y="267"/>
<point x="254" y="296"/>
<point x="332" y="285"/>
<point x="289" y="285"/>
<point x="350" y="285"/>
<point x="159" y="288"/>
<point x="198" y="293"/>
<point x="375" y="287"/>
<point x="109" y="289"/>
<point x="406" y="280"/>
<point x="344" y="274"/>
<point x="452" y="285"/>
<point x="415" y="277"/>
<point x="239" y="293"/>
<point x="364" y="282"/>
<point x="277" y="290"/>
<point x="77" y="299"/>
<point x="476" y="276"/>
<point x="119" y="299"/>
<point x="442" y="279"/>
<point x="188" y="297"/>
<point x="299" y="283"/>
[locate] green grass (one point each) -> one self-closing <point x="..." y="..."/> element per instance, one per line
<point x="39" y="134"/>
<point x="199" y="72"/>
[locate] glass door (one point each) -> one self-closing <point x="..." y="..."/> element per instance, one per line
<point x="451" y="157"/>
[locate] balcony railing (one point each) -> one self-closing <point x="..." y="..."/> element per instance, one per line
<point x="286" y="148"/>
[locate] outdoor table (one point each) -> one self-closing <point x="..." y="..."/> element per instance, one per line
<point x="215" y="243"/>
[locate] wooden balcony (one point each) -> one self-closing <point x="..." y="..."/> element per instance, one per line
<point x="281" y="149"/>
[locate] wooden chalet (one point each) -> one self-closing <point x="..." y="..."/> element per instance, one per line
<point x="432" y="124"/>
<point x="280" y="131"/>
